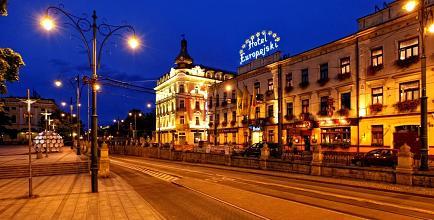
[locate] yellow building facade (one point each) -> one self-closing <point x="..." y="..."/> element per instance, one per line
<point x="354" y="94"/>
<point x="181" y="95"/>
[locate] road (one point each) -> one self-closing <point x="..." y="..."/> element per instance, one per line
<point x="187" y="191"/>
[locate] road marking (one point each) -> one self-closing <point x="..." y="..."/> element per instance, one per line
<point x="302" y="189"/>
<point x="222" y="201"/>
<point x="154" y="173"/>
<point x="344" y="197"/>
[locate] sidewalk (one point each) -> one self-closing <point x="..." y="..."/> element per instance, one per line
<point x="69" y="197"/>
<point x="18" y="155"/>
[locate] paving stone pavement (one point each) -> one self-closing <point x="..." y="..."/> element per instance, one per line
<point x="18" y="155"/>
<point x="69" y="197"/>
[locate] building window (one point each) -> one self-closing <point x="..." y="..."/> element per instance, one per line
<point x="217" y="118"/>
<point x="234" y="95"/>
<point x="181" y="120"/>
<point x="270" y="85"/>
<point x="226" y="138"/>
<point x="257" y="112"/>
<point x="271" y="136"/>
<point x="377" y="135"/>
<point x="305" y="106"/>
<point x="234" y="137"/>
<point x="225" y="96"/>
<point x="197" y="105"/>
<point x="377" y="56"/>
<point x="181" y="104"/>
<point x="197" y="137"/>
<point x="246" y="137"/>
<point x="210" y="102"/>
<point x="197" y="121"/>
<point x="346" y="100"/>
<point x="409" y="91"/>
<point x="270" y="112"/>
<point x="408" y="48"/>
<point x="257" y="86"/>
<point x="324" y="71"/>
<point x="324" y="105"/>
<point x="289" y="109"/>
<point x="182" y="138"/>
<point x="305" y="76"/>
<point x="336" y="135"/>
<point x="377" y="95"/>
<point x="289" y="80"/>
<point x="234" y="116"/>
<point x="211" y="118"/>
<point x="181" y="88"/>
<point x="225" y="117"/>
<point x="345" y="65"/>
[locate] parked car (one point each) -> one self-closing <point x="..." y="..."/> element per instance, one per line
<point x="377" y="157"/>
<point x="255" y="150"/>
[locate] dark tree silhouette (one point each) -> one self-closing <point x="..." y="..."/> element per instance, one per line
<point x="10" y="63"/>
<point x="4" y="7"/>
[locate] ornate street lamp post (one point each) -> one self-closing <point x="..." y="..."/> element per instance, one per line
<point x="83" y="25"/>
<point x="424" y="27"/>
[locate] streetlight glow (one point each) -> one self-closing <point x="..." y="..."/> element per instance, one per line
<point x="63" y="104"/>
<point x="140" y="114"/>
<point x="47" y="23"/>
<point x="58" y="83"/>
<point x="133" y="42"/>
<point x="430" y="28"/>
<point x="149" y="105"/>
<point x="97" y="87"/>
<point x="410" y="5"/>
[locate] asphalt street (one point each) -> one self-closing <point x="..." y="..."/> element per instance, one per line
<point x="186" y="191"/>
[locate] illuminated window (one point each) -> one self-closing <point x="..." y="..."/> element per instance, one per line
<point x="409" y="91"/>
<point x="324" y="71"/>
<point x="197" y="121"/>
<point x="377" y="56"/>
<point x="377" y="95"/>
<point x="270" y="135"/>
<point x="324" y="105"/>
<point x="346" y="100"/>
<point x="408" y="48"/>
<point x="305" y="106"/>
<point x="270" y="111"/>
<point x="377" y="135"/>
<point x="305" y="76"/>
<point x="289" y="80"/>
<point x="270" y="85"/>
<point x="336" y="135"/>
<point x="197" y="137"/>
<point x="345" y="65"/>
<point x="182" y="120"/>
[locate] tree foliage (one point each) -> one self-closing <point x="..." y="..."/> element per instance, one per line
<point x="3" y="7"/>
<point x="10" y="63"/>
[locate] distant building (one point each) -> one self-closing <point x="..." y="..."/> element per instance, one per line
<point x="181" y="96"/>
<point x="17" y="111"/>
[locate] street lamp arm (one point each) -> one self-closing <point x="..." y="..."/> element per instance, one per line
<point x="108" y="30"/>
<point x="80" y="24"/>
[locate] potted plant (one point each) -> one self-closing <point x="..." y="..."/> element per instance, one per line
<point x="374" y="69"/>
<point x="407" y="62"/>
<point x="377" y="107"/>
<point x="343" y="112"/>
<point x="344" y="76"/>
<point x="407" y="105"/>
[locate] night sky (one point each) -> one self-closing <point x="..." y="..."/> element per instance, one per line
<point x="215" y="31"/>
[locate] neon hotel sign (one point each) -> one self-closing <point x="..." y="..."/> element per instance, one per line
<point x="258" y="45"/>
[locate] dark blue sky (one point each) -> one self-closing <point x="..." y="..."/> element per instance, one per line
<point x="215" y="31"/>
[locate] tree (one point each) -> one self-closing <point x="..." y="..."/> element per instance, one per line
<point x="4" y="7"/>
<point x="10" y="63"/>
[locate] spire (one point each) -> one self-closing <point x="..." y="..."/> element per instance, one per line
<point x="183" y="60"/>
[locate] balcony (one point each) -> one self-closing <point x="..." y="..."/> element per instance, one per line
<point x="375" y="108"/>
<point x="289" y="89"/>
<point x="289" y="117"/>
<point x="181" y="109"/>
<point x="304" y="84"/>
<point x="322" y="81"/>
<point x="343" y="112"/>
<point x="407" y="105"/>
<point x="407" y="62"/>
<point x="372" y="70"/>
<point x="259" y="97"/>
<point x="344" y="76"/>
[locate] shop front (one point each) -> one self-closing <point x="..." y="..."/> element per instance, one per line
<point x="299" y="135"/>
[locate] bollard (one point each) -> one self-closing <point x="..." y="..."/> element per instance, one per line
<point x="265" y="154"/>
<point x="104" y="162"/>
<point x="404" y="169"/>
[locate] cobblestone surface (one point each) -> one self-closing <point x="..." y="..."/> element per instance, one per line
<point x="18" y="155"/>
<point x="69" y="197"/>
